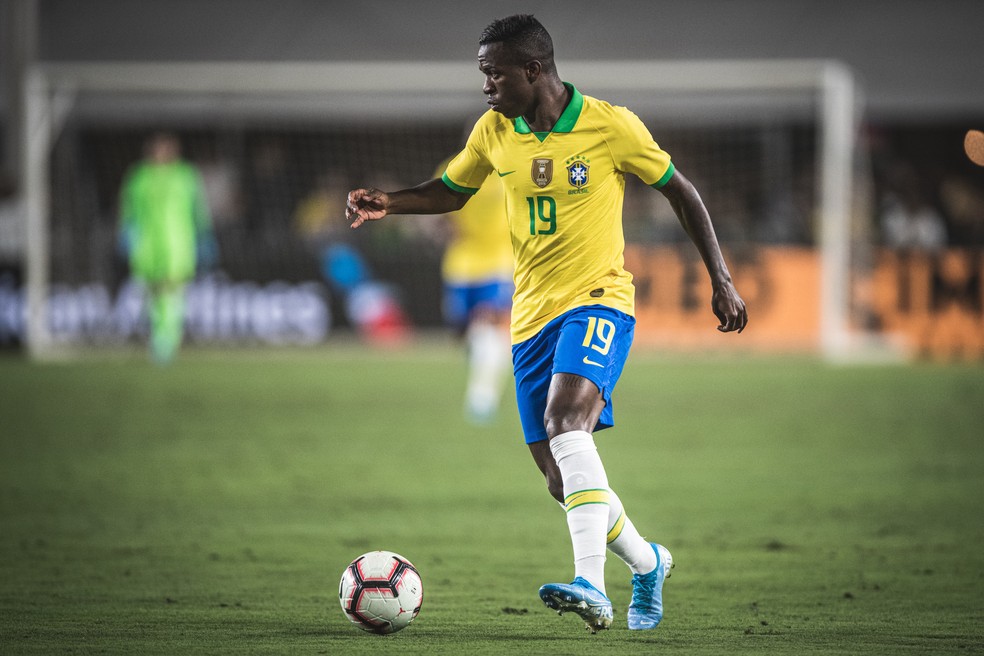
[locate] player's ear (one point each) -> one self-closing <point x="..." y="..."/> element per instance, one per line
<point x="533" y="70"/>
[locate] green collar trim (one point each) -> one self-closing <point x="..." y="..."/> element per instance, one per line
<point x="568" y="118"/>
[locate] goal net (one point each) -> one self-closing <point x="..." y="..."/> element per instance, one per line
<point x="770" y="145"/>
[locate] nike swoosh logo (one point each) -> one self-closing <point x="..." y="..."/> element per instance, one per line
<point x="502" y="175"/>
<point x="587" y="361"/>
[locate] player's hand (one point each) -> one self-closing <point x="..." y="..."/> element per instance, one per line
<point x="729" y="308"/>
<point x="366" y="205"/>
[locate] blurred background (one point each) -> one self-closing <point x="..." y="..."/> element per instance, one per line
<point x="827" y="140"/>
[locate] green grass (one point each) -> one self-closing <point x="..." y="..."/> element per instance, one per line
<point x="211" y="507"/>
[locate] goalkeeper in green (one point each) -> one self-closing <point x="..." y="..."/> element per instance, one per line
<point x="166" y="230"/>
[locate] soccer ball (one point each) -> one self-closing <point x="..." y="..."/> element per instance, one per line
<point x="381" y="592"/>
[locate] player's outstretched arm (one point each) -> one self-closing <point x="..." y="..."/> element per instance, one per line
<point x="431" y="197"/>
<point x="727" y="305"/>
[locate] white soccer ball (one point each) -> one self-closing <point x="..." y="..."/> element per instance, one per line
<point x="381" y="592"/>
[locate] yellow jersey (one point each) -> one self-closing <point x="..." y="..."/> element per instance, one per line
<point x="480" y="249"/>
<point x="564" y="191"/>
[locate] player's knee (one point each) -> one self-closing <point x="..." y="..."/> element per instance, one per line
<point x="560" y="420"/>
<point x="574" y="403"/>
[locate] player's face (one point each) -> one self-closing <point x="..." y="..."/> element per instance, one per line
<point x="164" y="149"/>
<point x="507" y="85"/>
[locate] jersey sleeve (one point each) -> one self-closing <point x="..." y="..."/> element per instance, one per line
<point x="468" y="169"/>
<point x="635" y="151"/>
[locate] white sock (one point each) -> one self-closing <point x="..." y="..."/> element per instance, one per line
<point x="488" y="362"/>
<point x="624" y="540"/>
<point x="586" y="499"/>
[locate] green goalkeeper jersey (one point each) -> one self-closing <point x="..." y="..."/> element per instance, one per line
<point x="163" y="212"/>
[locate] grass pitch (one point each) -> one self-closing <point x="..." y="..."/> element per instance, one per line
<point x="210" y="507"/>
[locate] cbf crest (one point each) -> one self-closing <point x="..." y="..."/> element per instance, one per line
<point x="542" y="172"/>
<point x="577" y="171"/>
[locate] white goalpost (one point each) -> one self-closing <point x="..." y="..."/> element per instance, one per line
<point x="823" y="92"/>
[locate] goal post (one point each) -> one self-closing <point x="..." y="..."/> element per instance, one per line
<point x="822" y="92"/>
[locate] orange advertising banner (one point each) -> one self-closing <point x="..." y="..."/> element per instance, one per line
<point x="928" y="304"/>
<point x="932" y="302"/>
<point x="781" y="288"/>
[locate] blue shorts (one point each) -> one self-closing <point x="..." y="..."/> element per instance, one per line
<point x="460" y="301"/>
<point x="591" y="341"/>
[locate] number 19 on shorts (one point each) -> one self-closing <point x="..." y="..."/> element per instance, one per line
<point x="599" y="335"/>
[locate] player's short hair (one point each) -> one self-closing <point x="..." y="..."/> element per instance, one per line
<point x="525" y="36"/>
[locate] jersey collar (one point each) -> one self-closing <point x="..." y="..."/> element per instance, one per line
<point x="566" y="121"/>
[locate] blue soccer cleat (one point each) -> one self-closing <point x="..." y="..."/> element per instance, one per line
<point x="580" y="597"/>
<point x="646" y="609"/>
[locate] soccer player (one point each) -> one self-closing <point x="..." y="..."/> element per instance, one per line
<point x="477" y="271"/>
<point x="165" y="229"/>
<point x="562" y="157"/>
